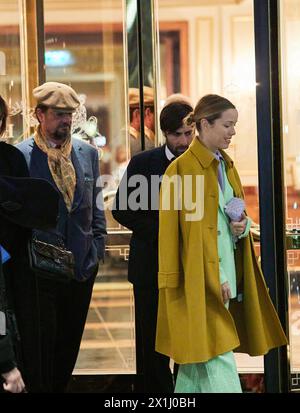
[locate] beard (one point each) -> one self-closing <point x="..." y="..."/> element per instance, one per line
<point x="181" y="150"/>
<point x="62" y="133"/>
<point x="177" y="151"/>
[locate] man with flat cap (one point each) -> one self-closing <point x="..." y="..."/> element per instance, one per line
<point x="135" y="120"/>
<point x="72" y="166"/>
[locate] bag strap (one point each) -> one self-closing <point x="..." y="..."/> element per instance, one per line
<point x="59" y="237"/>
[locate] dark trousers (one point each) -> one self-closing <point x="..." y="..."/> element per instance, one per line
<point x="22" y="289"/>
<point x="153" y="366"/>
<point x="63" y="312"/>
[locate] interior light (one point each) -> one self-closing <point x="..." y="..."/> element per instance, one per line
<point x="59" y="58"/>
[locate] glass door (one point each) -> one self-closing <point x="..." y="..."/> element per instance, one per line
<point x="209" y="48"/>
<point x="290" y="31"/>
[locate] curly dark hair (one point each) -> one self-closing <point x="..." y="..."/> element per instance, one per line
<point x="172" y="115"/>
<point x="3" y="115"/>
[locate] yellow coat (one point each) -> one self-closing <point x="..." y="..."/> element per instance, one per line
<point x="193" y="324"/>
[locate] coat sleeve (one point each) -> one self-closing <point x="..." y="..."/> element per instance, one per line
<point x="99" y="221"/>
<point x="247" y="229"/>
<point x="141" y="222"/>
<point x="169" y="234"/>
<point x="7" y="357"/>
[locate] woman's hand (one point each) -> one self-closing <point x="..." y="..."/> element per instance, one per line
<point x="238" y="227"/>
<point x="226" y="293"/>
<point x="13" y="381"/>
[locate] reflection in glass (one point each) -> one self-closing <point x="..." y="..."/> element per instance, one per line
<point x="10" y="67"/>
<point x="140" y="49"/>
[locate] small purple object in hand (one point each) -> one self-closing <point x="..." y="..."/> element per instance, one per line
<point x="235" y="208"/>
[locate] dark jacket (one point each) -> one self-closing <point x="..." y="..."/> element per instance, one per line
<point x="143" y="257"/>
<point x="21" y="206"/>
<point x="83" y="230"/>
<point x="7" y="356"/>
<point x="12" y="163"/>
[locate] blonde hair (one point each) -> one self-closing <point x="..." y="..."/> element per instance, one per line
<point x="209" y="107"/>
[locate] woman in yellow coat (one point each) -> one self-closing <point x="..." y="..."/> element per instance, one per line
<point x="212" y="295"/>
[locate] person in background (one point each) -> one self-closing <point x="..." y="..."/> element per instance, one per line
<point x="149" y="118"/>
<point x="143" y="258"/>
<point x="121" y="162"/>
<point x="72" y="166"/>
<point x="135" y="120"/>
<point x="212" y="294"/>
<point x="24" y="203"/>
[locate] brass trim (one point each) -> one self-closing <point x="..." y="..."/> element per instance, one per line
<point x="29" y="61"/>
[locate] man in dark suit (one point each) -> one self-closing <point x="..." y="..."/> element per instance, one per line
<point x="72" y="166"/>
<point x="142" y="219"/>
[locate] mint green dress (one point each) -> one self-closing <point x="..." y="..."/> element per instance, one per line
<point x="217" y="375"/>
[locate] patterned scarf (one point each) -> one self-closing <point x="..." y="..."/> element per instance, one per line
<point x="60" y="166"/>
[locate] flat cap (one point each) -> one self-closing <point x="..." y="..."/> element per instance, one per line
<point x="57" y="96"/>
<point x="148" y="96"/>
<point x="134" y="96"/>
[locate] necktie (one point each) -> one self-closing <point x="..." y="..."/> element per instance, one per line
<point x="220" y="171"/>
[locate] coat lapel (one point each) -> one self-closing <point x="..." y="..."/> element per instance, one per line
<point x="39" y="164"/>
<point x="160" y="162"/>
<point x="225" y="196"/>
<point x="39" y="168"/>
<point x="78" y="163"/>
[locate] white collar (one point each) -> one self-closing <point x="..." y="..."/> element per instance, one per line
<point x="170" y="156"/>
<point x="218" y="155"/>
<point x="53" y="145"/>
